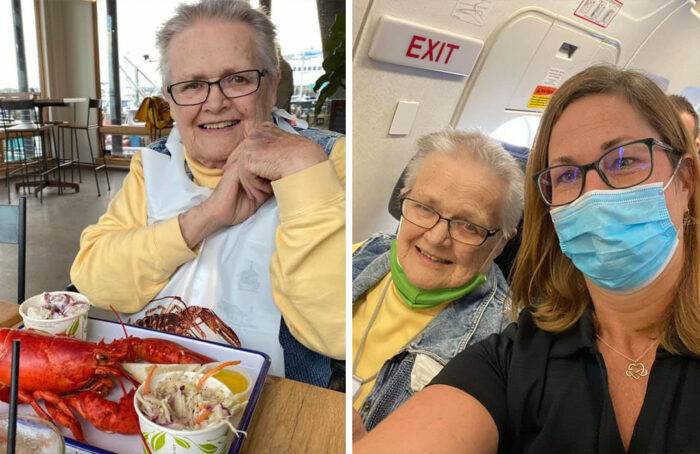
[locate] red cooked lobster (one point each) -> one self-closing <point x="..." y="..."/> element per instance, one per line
<point x="66" y="373"/>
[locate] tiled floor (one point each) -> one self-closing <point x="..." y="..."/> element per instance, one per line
<point x="53" y="233"/>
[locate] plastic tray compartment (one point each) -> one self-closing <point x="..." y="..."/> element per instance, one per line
<point x="256" y="363"/>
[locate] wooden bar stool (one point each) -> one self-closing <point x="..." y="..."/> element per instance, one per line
<point x="73" y="128"/>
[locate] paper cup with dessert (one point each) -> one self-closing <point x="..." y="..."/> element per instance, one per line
<point x="187" y="411"/>
<point x="57" y="313"/>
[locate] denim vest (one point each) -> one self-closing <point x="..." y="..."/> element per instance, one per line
<point x="300" y="363"/>
<point x="463" y="322"/>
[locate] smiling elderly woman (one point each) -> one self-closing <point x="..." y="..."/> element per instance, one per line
<point x="238" y="210"/>
<point x="422" y="296"/>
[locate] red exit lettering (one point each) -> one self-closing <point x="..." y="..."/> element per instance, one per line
<point x="433" y="51"/>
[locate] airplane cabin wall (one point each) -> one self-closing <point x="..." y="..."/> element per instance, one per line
<point x="479" y="100"/>
<point x="673" y="50"/>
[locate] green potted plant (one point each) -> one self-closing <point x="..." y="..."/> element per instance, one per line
<point x="333" y="64"/>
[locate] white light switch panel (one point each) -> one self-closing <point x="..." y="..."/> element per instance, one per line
<point x="403" y="118"/>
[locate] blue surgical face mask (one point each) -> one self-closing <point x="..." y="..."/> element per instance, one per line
<point x="621" y="239"/>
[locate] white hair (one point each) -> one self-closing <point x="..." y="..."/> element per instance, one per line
<point x="475" y="146"/>
<point x="228" y="10"/>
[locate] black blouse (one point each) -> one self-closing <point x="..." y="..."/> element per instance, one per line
<point x="548" y="393"/>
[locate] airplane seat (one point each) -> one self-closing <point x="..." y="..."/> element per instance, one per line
<point x="507" y="257"/>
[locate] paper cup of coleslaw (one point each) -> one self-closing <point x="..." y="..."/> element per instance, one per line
<point x="236" y="377"/>
<point x="167" y="435"/>
<point x="57" y="313"/>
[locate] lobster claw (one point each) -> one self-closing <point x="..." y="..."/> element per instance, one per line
<point x="106" y="415"/>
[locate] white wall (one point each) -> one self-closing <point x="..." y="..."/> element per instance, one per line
<point x="673" y="50"/>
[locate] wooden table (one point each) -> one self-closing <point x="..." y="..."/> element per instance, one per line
<point x="291" y="417"/>
<point x="132" y="130"/>
<point x="9" y="314"/>
<point x="55" y="102"/>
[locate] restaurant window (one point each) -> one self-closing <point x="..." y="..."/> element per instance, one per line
<point x="300" y="44"/>
<point x="136" y="24"/>
<point x="9" y="79"/>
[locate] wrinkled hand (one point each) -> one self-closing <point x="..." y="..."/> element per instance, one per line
<point x="269" y="154"/>
<point x="229" y="204"/>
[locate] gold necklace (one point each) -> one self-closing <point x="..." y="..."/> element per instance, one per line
<point x="635" y="369"/>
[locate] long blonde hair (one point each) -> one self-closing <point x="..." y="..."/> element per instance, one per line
<point x="544" y="280"/>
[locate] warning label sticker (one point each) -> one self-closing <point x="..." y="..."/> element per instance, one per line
<point x="553" y="77"/>
<point x="599" y="12"/>
<point x="540" y="97"/>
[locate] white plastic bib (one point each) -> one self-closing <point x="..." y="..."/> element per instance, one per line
<point x="231" y="274"/>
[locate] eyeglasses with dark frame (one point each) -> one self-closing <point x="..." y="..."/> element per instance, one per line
<point x="235" y="85"/>
<point x="624" y="166"/>
<point x="426" y="217"/>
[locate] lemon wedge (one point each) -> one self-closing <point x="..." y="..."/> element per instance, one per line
<point x="139" y="371"/>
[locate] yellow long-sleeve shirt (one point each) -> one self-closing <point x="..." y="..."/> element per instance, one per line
<point x="124" y="262"/>
<point x="395" y="324"/>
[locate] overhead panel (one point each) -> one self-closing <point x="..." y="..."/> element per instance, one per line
<point x="564" y="51"/>
<point x="504" y="60"/>
<point x="524" y="63"/>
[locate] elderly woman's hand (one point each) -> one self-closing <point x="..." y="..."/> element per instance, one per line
<point x="229" y="204"/>
<point x="269" y="153"/>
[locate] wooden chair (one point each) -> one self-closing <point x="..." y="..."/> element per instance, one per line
<point x="94" y="105"/>
<point x="13" y="230"/>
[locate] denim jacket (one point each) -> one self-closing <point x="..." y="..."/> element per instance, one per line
<point x="463" y="322"/>
<point x="300" y="363"/>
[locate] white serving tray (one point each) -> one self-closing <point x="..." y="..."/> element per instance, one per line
<point x="256" y="363"/>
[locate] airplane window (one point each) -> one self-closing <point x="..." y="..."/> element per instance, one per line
<point x="692" y="94"/>
<point x="518" y="131"/>
<point x="661" y="81"/>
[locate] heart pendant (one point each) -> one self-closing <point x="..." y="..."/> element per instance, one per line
<point x="636" y="371"/>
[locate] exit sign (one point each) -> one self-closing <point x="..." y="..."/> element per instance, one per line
<point x="410" y="44"/>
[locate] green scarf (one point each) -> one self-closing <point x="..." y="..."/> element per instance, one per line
<point x="418" y="298"/>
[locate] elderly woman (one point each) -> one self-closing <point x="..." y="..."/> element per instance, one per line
<point x="606" y="346"/>
<point x="421" y="296"/>
<point x="233" y="213"/>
